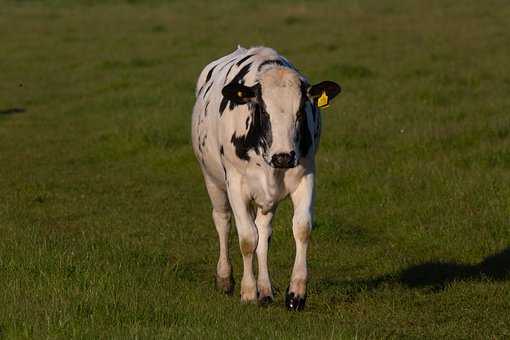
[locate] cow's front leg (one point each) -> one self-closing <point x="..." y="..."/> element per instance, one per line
<point x="302" y="199"/>
<point x="247" y="232"/>
<point x="263" y="222"/>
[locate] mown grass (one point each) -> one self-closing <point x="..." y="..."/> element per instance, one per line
<point x="105" y="227"/>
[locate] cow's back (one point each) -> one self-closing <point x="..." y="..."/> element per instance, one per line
<point x="208" y="127"/>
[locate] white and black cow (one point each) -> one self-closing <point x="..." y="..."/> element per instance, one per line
<point x="255" y="131"/>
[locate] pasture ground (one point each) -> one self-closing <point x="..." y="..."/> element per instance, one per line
<point x="105" y="227"/>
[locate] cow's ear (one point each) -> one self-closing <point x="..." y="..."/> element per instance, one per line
<point x="239" y="93"/>
<point x="323" y="92"/>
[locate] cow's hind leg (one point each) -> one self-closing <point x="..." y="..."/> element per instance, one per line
<point x="221" y="217"/>
<point x="263" y="222"/>
<point x="302" y="200"/>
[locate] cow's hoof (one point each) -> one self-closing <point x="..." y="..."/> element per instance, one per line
<point x="294" y="302"/>
<point x="265" y="301"/>
<point x="249" y="296"/>
<point x="248" y="300"/>
<point x="225" y="284"/>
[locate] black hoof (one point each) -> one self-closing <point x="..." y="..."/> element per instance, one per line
<point x="225" y="285"/>
<point x="294" y="302"/>
<point x="265" y="301"/>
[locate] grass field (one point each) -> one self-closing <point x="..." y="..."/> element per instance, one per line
<point x="105" y="227"/>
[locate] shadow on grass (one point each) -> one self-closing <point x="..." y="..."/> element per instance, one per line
<point x="434" y="276"/>
<point x="12" y="110"/>
<point x="438" y="275"/>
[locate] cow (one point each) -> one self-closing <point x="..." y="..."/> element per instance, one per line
<point x="255" y="131"/>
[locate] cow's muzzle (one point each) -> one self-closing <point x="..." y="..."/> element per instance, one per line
<point x="284" y="160"/>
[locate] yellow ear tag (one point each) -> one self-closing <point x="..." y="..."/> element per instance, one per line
<point x="239" y="94"/>
<point x="323" y="100"/>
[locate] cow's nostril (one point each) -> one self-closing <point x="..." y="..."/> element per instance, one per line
<point x="284" y="160"/>
<point x="292" y="156"/>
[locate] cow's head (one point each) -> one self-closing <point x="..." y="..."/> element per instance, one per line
<point x="279" y="102"/>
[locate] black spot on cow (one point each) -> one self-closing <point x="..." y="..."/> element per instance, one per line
<point x="227" y="63"/>
<point x="258" y="135"/>
<point x="228" y="72"/>
<point x="247" y="123"/>
<point x="208" y="88"/>
<point x="205" y="109"/>
<point x="305" y="136"/>
<point x="271" y="62"/>
<point x="244" y="59"/>
<point x="241" y="145"/>
<point x="207" y="78"/>
<point x="222" y="152"/>
<point x="305" y="99"/>
<point x="314" y="113"/>
<point x="225" y="174"/>
<point x="223" y="105"/>
<point x="201" y="89"/>
<point x="317" y="126"/>
<point x="239" y="78"/>
<point x="209" y="74"/>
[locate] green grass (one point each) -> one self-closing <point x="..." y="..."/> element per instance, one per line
<point x="105" y="227"/>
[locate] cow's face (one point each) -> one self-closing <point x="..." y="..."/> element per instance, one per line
<point x="278" y="103"/>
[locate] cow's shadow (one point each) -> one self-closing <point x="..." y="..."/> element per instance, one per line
<point x="436" y="275"/>
<point x="12" y="110"/>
